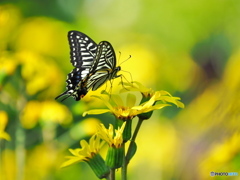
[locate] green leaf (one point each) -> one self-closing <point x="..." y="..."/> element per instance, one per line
<point x="131" y="151"/>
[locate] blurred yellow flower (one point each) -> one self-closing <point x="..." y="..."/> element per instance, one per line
<point x="8" y="161"/>
<point x="88" y="151"/>
<point x="8" y="64"/>
<point x="30" y="115"/>
<point x="3" y="124"/>
<point x="231" y="76"/>
<point x="53" y="111"/>
<point x="41" y="160"/>
<point x="86" y="127"/>
<point x="42" y="35"/>
<point x="149" y="61"/>
<point x="221" y="155"/>
<point x="112" y="136"/>
<point x="35" y="111"/>
<point x="39" y="73"/>
<point x="9" y="20"/>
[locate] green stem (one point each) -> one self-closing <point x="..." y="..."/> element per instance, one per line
<point x="124" y="166"/>
<point x="112" y="174"/>
<point x="132" y="143"/>
<point x="137" y="129"/>
<point x="20" y="151"/>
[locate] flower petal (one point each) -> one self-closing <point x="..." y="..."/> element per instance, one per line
<point x="106" y="102"/>
<point x="131" y="100"/>
<point x="96" y="111"/>
<point x="160" y="106"/>
<point x="141" y="87"/>
<point x="150" y="102"/>
<point x="117" y="99"/>
<point x="180" y="104"/>
<point x="73" y="160"/>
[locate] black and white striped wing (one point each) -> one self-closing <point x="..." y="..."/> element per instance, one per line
<point x="105" y="57"/>
<point x="82" y="51"/>
<point x="82" y="54"/>
<point x="104" y="66"/>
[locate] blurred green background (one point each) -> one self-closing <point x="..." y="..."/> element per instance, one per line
<point x="188" y="48"/>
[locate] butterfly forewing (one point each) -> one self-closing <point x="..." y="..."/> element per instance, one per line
<point x="82" y="49"/>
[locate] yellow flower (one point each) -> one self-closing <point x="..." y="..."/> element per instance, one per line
<point x="3" y="123"/>
<point x="130" y="111"/>
<point x="39" y="72"/>
<point x="8" y="64"/>
<point x="87" y="152"/>
<point x="112" y="137"/>
<point x="44" y="111"/>
<point x="163" y="96"/>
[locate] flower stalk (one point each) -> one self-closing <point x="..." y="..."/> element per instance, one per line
<point x="133" y="147"/>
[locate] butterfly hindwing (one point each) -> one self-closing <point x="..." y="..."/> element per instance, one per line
<point x="104" y="66"/>
<point x="74" y="87"/>
<point x="105" y="57"/>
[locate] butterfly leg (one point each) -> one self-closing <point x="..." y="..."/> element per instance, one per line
<point x="122" y="76"/>
<point x="128" y="83"/>
<point x="106" y="87"/>
<point x="110" y="89"/>
<point x="129" y="75"/>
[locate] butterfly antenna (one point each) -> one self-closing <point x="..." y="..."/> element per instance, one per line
<point x="119" y="56"/>
<point x="125" y="60"/>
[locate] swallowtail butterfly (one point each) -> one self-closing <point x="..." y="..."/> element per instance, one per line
<point x="94" y="65"/>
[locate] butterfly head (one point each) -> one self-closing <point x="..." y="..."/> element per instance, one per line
<point x="118" y="68"/>
<point x="115" y="71"/>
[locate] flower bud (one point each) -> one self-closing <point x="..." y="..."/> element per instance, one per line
<point x="98" y="166"/>
<point x="114" y="158"/>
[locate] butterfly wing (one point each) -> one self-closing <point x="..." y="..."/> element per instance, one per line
<point x="104" y="66"/>
<point x="74" y="87"/>
<point x="82" y="53"/>
<point x="105" y="57"/>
